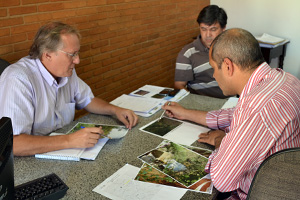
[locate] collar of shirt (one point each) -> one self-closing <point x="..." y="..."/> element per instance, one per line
<point x="48" y="77"/>
<point x="199" y="46"/>
<point x="256" y="77"/>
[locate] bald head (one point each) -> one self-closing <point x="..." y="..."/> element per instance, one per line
<point x="239" y="46"/>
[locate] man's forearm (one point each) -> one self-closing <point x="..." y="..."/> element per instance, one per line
<point x="196" y="116"/>
<point x="180" y="85"/>
<point x="26" y="145"/>
<point x="99" y="106"/>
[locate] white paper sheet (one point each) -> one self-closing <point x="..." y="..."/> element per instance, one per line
<point x="122" y="186"/>
<point x="151" y="89"/>
<point x="91" y="153"/>
<point x="230" y="103"/>
<point x="142" y="102"/>
<point x="75" y="153"/>
<point x="269" y="39"/>
<point x="137" y="104"/>
<point x="186" y="133"/>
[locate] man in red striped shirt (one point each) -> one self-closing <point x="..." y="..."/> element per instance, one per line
<point x="265" y="120"/>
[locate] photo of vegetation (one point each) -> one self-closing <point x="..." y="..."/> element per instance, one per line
<point x="158" y="96"/>
<point x="178" y="162"/>
<point x="141" y="92"/>
<point x="152" y="175"/>
<point x="163" y="126"/>
<point x="148" y="173"/>
<point x="111" y="131"/>
<point x="204" y="152"/>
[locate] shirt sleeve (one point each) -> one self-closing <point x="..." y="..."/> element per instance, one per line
<point x="219" y="119"/>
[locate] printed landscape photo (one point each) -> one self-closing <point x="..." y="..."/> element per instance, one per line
<point x="176" y="161"/>
<point x="158" y="96"/>
<point x="141" y="92"/>
<point x="152" y="175"/>
<point x="204" y="152"/>
<point x="163" y="126"/>
<point x="114" y="132"/>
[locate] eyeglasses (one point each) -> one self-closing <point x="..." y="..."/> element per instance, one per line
<point x="73" y="56"/>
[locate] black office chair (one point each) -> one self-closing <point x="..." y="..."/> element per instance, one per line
<point x="3" y="65"/>
<point x="278" y="177"/>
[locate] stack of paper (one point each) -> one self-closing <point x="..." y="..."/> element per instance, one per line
<point x="148" y="91"/>
<point x="147" y="100"/>
<point x="140" y="105"/>
<point x="269" y="41"/>
<point x="154" y="92"/>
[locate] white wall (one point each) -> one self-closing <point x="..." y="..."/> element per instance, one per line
<point x="276" y="17"/>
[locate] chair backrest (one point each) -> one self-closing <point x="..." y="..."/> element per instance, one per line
<point x="278" y="177"/>
<point x="3" y="65"/>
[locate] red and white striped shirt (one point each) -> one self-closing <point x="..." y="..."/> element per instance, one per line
<point x="265" y="120"/>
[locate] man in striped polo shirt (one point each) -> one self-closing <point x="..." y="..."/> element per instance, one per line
<point x="193" y="71"/>
<point x="265" y="120"/>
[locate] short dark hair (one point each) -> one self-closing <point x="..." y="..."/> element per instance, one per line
<point x="212" y="14"/>
<point x="48" y="38"/>
<point x="240" y="46"/>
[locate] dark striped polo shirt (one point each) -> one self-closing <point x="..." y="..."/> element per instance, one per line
<point x="192" y="66"/>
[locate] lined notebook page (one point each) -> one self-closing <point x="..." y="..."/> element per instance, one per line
<point x="64" y="154"/>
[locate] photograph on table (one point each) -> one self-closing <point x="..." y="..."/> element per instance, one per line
<point x="158" y="96"/>
<point x="178" y="162"/>
<point x="141" y="92"/>
<point x="162" y="127"/>
<point x="111" y="131"/>
<point x="149" y="174"/>
<point x="149" y="91"/>
<point x="175" y="130"/>
<point x="204" y="152"/>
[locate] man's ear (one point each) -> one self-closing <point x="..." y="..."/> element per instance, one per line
<point x="229" y="67"/>
<point x="224" y="29"/>
<point x="47" y="55"/>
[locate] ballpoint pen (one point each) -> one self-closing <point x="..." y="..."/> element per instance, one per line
<point x="163" y="112"/>
<point x="99" y="134"/>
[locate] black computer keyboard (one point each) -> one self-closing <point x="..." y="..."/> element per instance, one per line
<point x="48" y="187"/>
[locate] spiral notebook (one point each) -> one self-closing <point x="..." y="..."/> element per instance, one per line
<point x="74" y="154"/>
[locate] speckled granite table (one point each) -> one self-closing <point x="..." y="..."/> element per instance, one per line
<point x="83" y="176"/>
